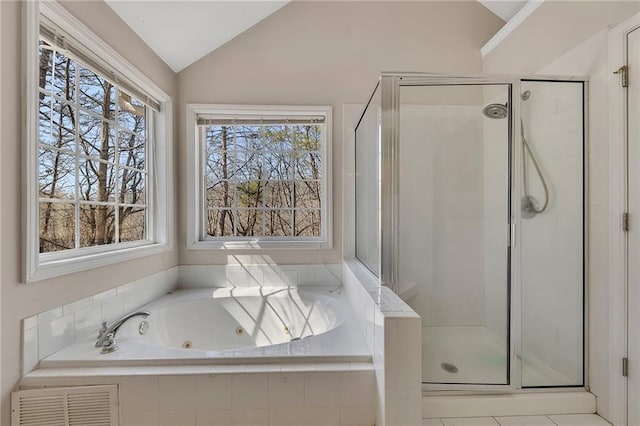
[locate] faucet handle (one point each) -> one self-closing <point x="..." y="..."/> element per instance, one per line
<point x="102" y="329"/>
<point x="109" y="345"/>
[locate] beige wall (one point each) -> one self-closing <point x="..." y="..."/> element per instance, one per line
<point x="329" y="53"/>
<point x="21" y="300"/>
<point x="553" y="29"/>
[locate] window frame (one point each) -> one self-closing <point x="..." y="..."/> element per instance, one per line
<point x="38" y="266"/>
<point x="196" y="236"/>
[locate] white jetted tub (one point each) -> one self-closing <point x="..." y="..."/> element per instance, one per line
<point x="231" y="326"/>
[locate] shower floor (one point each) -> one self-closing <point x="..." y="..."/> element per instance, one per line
<point x="480" y="356"/>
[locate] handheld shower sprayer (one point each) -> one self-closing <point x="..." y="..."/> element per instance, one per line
<point x="529" y="204"/>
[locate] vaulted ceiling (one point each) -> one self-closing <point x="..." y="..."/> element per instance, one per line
<point x="183" y="31"/>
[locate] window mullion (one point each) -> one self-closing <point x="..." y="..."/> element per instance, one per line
<point x="292" y="182"/>
<point x="235" y="181"/>
<point x="76" y="112"/>
<point x="262" y="154"/>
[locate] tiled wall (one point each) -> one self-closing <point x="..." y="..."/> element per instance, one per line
<point x="441" y="208"/>
<point x="291" y="398"/>
<point x="274" y="394"/>
<point x="551" y="242"/>
<point x="393" y="332"/>
<point x="52" y="330"/>
<point x="259" y="274"/>
<point x="590" y="58"/>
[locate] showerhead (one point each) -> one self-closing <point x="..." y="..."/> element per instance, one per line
<point x="496" y="111"/>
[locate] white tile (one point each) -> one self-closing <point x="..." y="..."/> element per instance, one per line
<point x="578" y="420"/>
<point x="306" y="277"/>
<point x="293" y="367"/>
<point x="70" y="308"/>
<point x="30" y="340"/>
<point x="322" y="389"/>
<point x="249" y="391"/>
<point x="255" y="417"/>
<point x="139" y="393"/>
<point x="286" y="390"/>
<point x="255" y="276"/>
<point x="50" y="315"/>
<point x="214" y="417"/>
<point x="289" y="276"/>
<point x="30" y="354"/>
<point x="212" y="392"/>
<point x="524" y="421"/>
<point x="287" y="417"/>
<point x="176" y="392"/>
<point x="125" y="288"/>
<point x="470" y="421"/>
<point x="357" y="416"/>
<point x="357" y="389"/>
<point x="271" y="277"/>
<point x="87" y="321"/>
<point x="177" y="418"/>
<point x="54" y="335"/>
<point x="29" y="361"/>
<point x="227" y="369"/>
<point x="237" y="276"/>
<point x="263" y="368"/>
<point x="322" y="416"/>
<point x="138" y="418"/>
<point x="30" y="322"/>
<point x="106" y="294"/>
<point x="112" y="308"/>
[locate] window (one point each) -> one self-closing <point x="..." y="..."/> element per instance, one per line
<point x="96" y="139"/>
<point x="262" y="174"/>
<point x="92" y="151"/>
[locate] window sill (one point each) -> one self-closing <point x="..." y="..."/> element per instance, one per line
<point x="58" y="267"/>
<point x="259" y="245"/>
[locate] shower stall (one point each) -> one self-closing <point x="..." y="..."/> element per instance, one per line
<point x="470" y="204"/>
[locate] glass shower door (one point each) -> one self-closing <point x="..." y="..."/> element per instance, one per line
<point x="552" y="246"/>
<point x="453" y="243"/>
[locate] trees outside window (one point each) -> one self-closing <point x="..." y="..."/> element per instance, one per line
<point x="261" y="176"/>
<point x="92" y="157"/>
<point x="263" y="180"/>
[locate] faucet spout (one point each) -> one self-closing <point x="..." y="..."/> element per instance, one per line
<point x="112" y="329"/>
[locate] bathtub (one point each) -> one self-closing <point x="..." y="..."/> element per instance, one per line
<point x="231" y="325"/>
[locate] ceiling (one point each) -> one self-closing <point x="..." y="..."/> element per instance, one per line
<point x="183" y="31"/>
<point x="505" y="9"/>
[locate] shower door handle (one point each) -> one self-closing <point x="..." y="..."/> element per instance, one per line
<point x="512" y="235"/>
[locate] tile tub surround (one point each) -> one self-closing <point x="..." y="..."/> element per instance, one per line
<point x="259" y="274"/>
<point x="52" y="330"/>
<point x="338" y="394"/>
<point x="390" y="328"/>
<point x="209" y="317"/>
<point x="48" y="332"/>
<point x="392" y="332"/>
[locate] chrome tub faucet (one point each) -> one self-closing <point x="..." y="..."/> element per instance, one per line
<point x="107" y="334"/>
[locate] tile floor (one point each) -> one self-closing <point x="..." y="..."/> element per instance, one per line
<point x="550" y="420"/>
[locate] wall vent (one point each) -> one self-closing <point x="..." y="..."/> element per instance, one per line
<point x="71" y="406"/>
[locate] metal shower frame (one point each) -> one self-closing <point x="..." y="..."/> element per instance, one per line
<point x="390" y="84"/>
